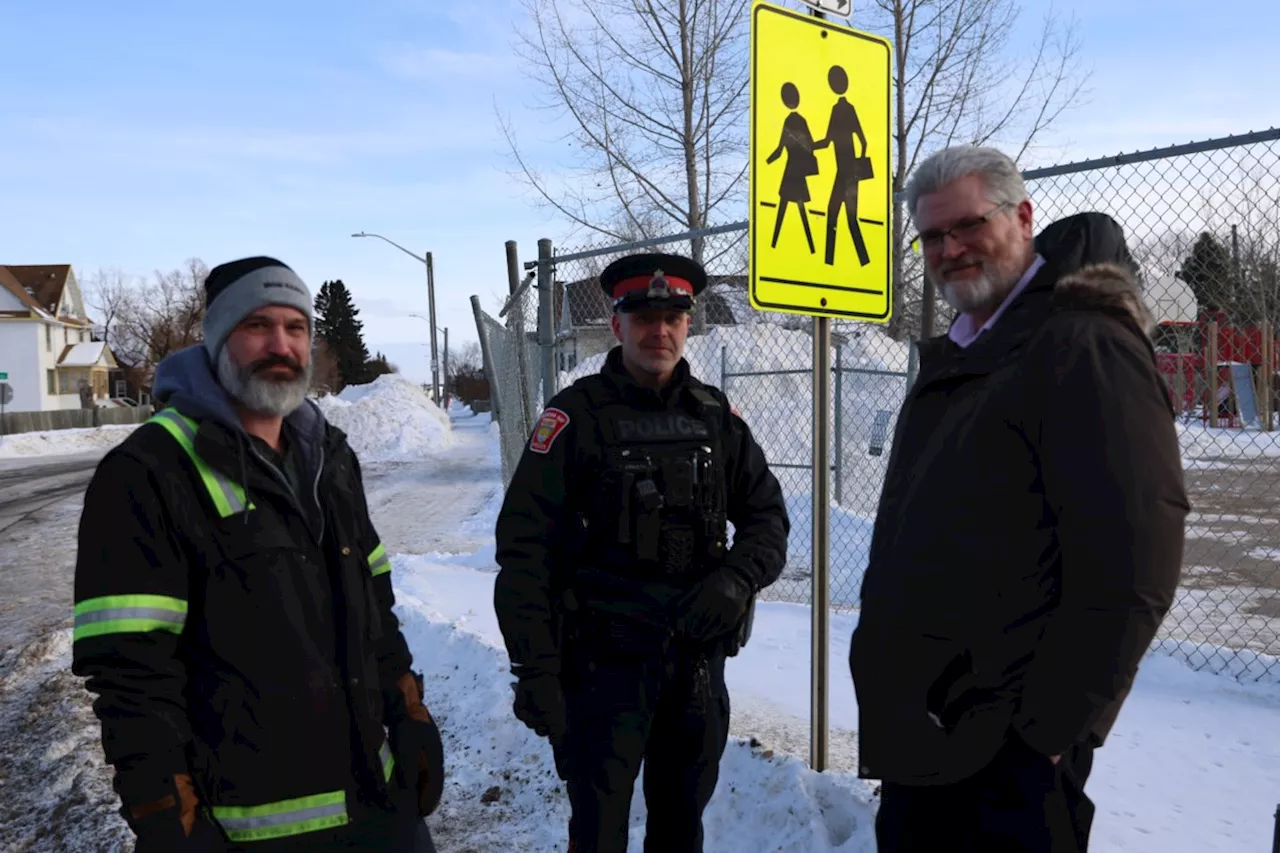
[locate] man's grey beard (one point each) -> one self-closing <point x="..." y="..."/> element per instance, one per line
<point x="981" y="294"/>
<point x="258" y="393"/>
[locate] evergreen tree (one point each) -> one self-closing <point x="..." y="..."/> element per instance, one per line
<point x="338" y="325"/>
<point x="1207" y="271"/>
<point x="378" y="366"/>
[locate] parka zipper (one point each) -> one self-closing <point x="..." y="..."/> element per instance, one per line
<point x="293" y="495"/>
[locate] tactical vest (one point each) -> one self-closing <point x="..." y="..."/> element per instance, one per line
<point x="659" y="505"/>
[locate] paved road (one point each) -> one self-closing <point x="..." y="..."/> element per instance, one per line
<point x="39" y="510"/>
<point x="27" y="489"/>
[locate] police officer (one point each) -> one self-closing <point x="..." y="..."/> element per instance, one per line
<point x="619" y="594"/>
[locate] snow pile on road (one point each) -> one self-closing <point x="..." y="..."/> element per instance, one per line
<point x="391" y="419"/>
<point x="56" y="783"/>
<point x="57" y="442"/>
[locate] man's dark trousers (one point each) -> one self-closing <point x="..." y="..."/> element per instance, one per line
<point x="1019" y="803"/>
<point x="669" y="708"/>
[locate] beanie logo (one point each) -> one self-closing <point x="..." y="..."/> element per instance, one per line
<point x="285" y="284"/>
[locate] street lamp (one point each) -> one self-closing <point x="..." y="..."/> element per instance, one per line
<point x="431" y="302"/>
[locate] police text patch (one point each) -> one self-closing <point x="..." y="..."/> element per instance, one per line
<point x="550" y="425"/>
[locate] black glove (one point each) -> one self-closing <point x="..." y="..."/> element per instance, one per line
<point x="175" y="824"/>
<point x="714" y="606"/>
<point x="415" y="742"/>
<point x="539" y="704"/>
<point x="419" y="754"/>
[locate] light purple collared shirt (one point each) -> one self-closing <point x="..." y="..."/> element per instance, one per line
<point x="962" y="331"/>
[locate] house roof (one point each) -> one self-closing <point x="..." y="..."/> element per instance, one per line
<point x="11" y="283"/>
<point x="44" y="283"/>
<point x="85" y="354"/>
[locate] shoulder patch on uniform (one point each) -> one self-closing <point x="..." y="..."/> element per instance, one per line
<point x="550" y="425"/>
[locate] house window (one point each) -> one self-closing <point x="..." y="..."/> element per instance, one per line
<point x="48" y="339"/>
<point x="51" y="379"/>
<point x="66" y="336"/>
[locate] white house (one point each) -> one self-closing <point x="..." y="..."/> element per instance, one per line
<point x="43" y="325"/>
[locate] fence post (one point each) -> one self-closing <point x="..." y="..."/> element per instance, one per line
<point x="524" y="416"/>
<point x="546" y="321"/>
<point x="839" y="425"/>
<point x="913" y="358"/>
<point x="1265" y="397"/>
<point x="486" y="357"/>
<point x="724" y="369"/>
<point x="1211" y="366"/>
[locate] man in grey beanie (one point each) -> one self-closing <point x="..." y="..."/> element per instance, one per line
<point x="234" y="607"/>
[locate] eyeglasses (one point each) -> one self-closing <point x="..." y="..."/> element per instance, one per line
<point x="963" y="229"/>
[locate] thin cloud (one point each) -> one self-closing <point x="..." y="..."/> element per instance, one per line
<point x="444" y="65"/>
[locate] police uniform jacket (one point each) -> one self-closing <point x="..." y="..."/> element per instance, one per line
<point x="233" y="627"/>
<point x="548" y="531"/>
<point x="1029" y="536"/>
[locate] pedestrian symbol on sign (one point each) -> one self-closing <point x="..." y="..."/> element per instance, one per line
<point x="852" y="165"/>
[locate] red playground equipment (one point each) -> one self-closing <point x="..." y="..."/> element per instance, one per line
<point x="1209" y="361"/>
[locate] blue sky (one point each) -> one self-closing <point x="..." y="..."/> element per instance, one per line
<point x="135" y="135"/>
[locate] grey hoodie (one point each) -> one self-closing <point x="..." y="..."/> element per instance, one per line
<point x="185" y="380"/>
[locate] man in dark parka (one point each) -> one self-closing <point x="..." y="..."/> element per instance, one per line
<point x="1029" y="537"/>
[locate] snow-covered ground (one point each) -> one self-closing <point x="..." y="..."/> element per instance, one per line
<point x="1193" y="763"/>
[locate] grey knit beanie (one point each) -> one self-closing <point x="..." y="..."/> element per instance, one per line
<point x="235" y="289"/>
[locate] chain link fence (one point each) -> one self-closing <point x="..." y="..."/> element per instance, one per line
<point x="1203" y="222"/>
<point x="510" y="350"/>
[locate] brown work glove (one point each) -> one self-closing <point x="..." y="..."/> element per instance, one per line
<point x="174" y="823"/>
<point x="416" y="744"/>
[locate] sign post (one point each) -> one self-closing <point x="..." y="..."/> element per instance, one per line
<point x="820" y="142"/>
<point x="839" y="8"/>
<point x="6" y="397"/>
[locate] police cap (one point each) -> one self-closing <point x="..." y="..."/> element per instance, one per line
<point x="653" y="280"/>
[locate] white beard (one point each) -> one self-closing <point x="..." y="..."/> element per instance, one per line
<point x="273" y="397"/>
<point x="972" y="295"/>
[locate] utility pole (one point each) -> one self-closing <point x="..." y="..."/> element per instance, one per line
<point x="431" y="300"/>
<point x="446" y="368"/>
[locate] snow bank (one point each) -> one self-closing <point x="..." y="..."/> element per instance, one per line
<point x="59" y="442"/>
<point x="55" y="779"/>
<point x="850" y="544"/>
<point x="391" y="419"/>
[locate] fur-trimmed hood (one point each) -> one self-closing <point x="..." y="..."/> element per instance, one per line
<point x="1112" y="288"/>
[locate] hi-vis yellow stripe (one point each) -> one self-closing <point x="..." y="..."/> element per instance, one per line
<point x="128" y="614"/>
<point x="285" y="818"/>
<point x="379" y="562"/>
<point x="228" y="496"/>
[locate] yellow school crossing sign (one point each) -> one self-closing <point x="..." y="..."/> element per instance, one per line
<point x="821" y="186"/>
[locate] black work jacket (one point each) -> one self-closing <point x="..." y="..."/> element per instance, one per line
<point x="249" y="638"/>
